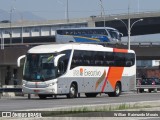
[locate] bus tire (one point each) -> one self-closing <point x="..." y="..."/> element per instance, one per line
<point x="141" y="90"/>
<point x="70" y="41"/>
<point x="150" y="90"/>
<point x="91" y="94"/>
<point x="42" y="96"/>
<point x="117" y="91"/>
<point x="72" y="91"/>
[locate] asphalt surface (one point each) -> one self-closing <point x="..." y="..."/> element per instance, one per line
<point x="23" y="103"/>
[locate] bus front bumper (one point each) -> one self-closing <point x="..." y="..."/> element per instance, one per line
<point x="49" y="90"/>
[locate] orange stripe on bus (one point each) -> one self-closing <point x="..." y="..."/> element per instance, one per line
<point x="114" y="75"/>
<point x="120" y="50"/>
<point x="100" y="80"/>
<point x="104" y="85"/>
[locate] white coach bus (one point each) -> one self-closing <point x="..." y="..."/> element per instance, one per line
<point x="88" y="34"/>
<point x="74" y="68"/>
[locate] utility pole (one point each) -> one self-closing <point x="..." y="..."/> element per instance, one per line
<point x="10" y="33"/>
<point x="102" y="9"/>
<point x="67" y="12"/>
<point x="2" y="41"/>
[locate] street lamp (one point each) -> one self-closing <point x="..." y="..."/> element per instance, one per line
<point x="21" y="22"/>
<point x="10" y="33"/>
<point x="66" y="9"/>
<point x="102" y="8"/>
<point x="129" y="28"/>
<point x="2" y="41"/>
<point x="67" y="15"/>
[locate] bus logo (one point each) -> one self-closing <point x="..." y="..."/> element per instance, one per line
<point x="81" y="71"/>
<point x="78" y="72"/>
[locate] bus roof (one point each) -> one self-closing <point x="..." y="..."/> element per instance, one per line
<point x="87" y="28"/>
<point x="51" y="48"/>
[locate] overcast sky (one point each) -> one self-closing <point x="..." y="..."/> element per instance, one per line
<point x="56" y="9"/>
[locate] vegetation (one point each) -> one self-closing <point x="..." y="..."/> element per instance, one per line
<point x="90" y="111"/>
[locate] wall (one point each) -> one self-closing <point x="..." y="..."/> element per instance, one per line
<point x="149" y="72"/>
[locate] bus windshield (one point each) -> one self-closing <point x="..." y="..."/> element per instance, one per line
<point x="40" y="67"/>
<point x="114" y="34"/>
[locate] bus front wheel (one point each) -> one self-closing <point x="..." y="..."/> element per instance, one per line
<point x="116" y="92"/>
<point x="72" y="91"/>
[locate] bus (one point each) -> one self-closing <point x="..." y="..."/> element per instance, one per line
<point x="74" y="68"/>
<point x="88" y="34"/>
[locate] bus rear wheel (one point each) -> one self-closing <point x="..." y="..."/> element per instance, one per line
<point x="72" y="91"/>
<point x="91" y="94"/>
<point x="117" y="91"/>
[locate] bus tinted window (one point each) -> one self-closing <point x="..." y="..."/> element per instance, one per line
<point x="114" y="33"/>
<point x="97" y="58"/>
<point x="119" y="59"/>
<point x="82" y="32"/>
<point x="59" y="32"/>
<point x="130" y="59"/>
<point x="63" y="61"/>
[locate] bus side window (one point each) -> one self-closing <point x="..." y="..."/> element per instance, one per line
<point x="108" y="59"/>
<point x="77" y="59"/>
<point x="129" y="63"/>
<point x="59" y="32"/>
<point x="61" y="67"/>
<point x="86" y="62"/>
<point x="130" y="59"/>
<point x="63" y="61"/>
<point x="111" y="63"/>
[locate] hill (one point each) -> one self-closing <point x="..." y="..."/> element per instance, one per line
<point x="18" y="16"/>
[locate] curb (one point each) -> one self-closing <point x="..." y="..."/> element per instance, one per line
<point x="137" y="106"/>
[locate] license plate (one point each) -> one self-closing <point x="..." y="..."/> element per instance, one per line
<point x="36" y="91"/>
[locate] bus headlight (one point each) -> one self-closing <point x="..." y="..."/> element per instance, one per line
<point x="51" y="84"/>
<point x="23" y="83"/>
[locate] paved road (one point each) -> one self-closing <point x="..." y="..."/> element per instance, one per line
<point x="23" y="103"/>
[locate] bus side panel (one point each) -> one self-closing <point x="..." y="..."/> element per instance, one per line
<point x="92" y="86"/>
<point x="89" y="85"/>
<point x="127" y="84"/>
<point x="85" y="85"/>
<point x="104" y="82"/>
<point x="64" y="39"/>
<point x="64" y="84"/>
<point x="108" y="80"/>
<point x="129" y="81"/>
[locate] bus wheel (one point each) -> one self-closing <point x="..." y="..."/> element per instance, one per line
<point x="42" y="96"/>
<point x="91" y="94"/>
<point x="72" y="91"/>
<point x="70" y="41"/>
<point x="141" y="90"/>
<point x="117" y="91"/>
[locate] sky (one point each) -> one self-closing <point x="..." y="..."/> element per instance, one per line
<point x="56" y="9"/>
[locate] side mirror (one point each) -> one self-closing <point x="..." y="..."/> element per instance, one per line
<point x="57" y="58"/>
<point x="19" y="60"/>
<point x="121" y="34"/>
